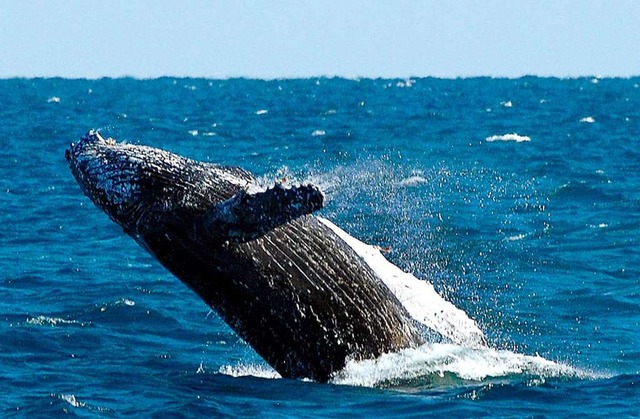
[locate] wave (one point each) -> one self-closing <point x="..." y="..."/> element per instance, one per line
<point x="249" y="370"/>
<point x="413" y="181"/>
<point x="508" y="137"/>
<point x="52" y="321"/>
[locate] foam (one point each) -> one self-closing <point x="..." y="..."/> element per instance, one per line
<point x="413" y="181"/>
<point x="71" y="399"/>
<point x="51" y="321"/>
<point x="588" y="120"/>
<point x="508" y="137"/>
<point x="437" y="360"/>
<point x="249" y="370"/>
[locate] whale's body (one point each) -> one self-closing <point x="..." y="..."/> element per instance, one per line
<point x="289" y="283"/>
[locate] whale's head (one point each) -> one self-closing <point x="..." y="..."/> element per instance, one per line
<point x="139" y="185"/>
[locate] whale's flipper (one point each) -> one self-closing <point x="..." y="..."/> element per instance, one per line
<point x="247" y="216"/>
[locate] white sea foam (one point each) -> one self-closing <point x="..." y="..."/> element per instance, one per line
<point x="435" y="360"/>
<point x="588" y="119"/>
<point x="414" y="180"/>
<point x="262" y="112"/>
<point x="53" y="99"/>
<point x="508" y="137"/>
<point x="419" y="297"/>
<point x="516" y="237"/>
<point x="71" y="399"/>
<point x="318" y="133"/>
<point x="249" y="370"/>
<point x="507" y="104"/>
<point x="194" y="132"/>
<point x="51" y="321"/>
<point x="405" y="83"/>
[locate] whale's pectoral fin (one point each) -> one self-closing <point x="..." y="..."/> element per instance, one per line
<point x="246" y="216"/>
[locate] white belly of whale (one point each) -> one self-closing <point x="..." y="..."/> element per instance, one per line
<point x="419" y="297"/>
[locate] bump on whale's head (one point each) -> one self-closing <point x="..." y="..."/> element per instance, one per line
<point x="130" y="182"/>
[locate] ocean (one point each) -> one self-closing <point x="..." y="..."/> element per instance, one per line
<point x="518" y="199"/>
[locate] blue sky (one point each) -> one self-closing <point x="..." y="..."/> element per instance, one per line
<point x="351" y="38"/>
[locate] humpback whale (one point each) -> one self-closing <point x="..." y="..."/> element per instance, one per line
<point x="302" y="292"/>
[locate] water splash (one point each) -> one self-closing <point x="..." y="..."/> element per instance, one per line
<point x="249" y="370"/>
<point x="441" y="363"/>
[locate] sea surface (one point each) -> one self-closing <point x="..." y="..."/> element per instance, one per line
<point x="518" y="199"/>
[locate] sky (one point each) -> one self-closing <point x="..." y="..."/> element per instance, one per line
<point x="347" y="38"/>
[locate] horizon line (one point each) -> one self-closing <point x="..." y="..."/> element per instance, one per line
<point x="323" y="76"/>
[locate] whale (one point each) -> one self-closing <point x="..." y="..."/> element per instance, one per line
<point x="303" y="293"/>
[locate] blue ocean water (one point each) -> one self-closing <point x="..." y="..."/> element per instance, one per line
<point x="518" y="199"/>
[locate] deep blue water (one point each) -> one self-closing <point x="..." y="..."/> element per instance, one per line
<point x="537" y="240"/>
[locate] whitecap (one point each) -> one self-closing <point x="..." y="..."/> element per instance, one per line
<point x="120" y="302"/>
<point x="600" y="225"/>
<point x="413" y="181"/>
<point x="51" y="321"/>
<point x="507" y="104"/>
<point x="262" y="111"/>
<point x="508" y="137"/>
<point x="405" y="83"/>
<point x="127" y="302"/>
<point x="200" y="369"/>
<point x="53" y="99"/>
<point x="516" y="237"/>
<point x="249" y="370"/>
<point x="588" y="119"/>
<point x="194" y="132"/>
<point x="318" y="133"/>
<point x="71" y="399"/>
